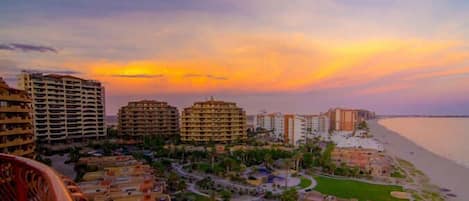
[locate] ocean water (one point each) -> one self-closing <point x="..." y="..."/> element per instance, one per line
<point x="447" y="137"/>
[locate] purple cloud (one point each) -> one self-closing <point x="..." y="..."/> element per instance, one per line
<point x="27" y="48"/>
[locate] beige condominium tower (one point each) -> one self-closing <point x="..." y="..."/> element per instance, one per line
<point x="66" y="108"/>
<point x="148" y="118"/>
<point x="16" y="130"/>
<point x="213" y="121"/>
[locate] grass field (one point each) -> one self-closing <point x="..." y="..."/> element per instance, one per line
<point x="304" y="182"/>
<point x="355" y="189"/>
<point x="190" y="196"/>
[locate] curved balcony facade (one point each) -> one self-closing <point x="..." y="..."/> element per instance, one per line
<point x="16" y="134"/>
<point x="24" y="179"/>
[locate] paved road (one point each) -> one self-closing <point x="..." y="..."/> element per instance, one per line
<point x="313" y="182"/>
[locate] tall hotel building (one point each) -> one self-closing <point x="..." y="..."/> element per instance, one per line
<point x="273" y="122"/>
<point x="348" y="119"/>
<point x="343" y="119"/>
<point x="295" y="131"/>
<point x="66" y="108"/>
<point x="16" y="130"/>
<point x="317" y="123"/>
<point x="147" y="118"/>
<point x="213" y="121"/>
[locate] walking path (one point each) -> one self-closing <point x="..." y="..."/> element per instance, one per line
<point x="227" y="183"/>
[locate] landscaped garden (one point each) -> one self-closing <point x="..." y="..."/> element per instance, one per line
<point x="304" y="182"/>
<point x="345" y="188"/>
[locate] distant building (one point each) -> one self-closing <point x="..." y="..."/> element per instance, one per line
<point x="317" y="123"/>
<point x="272" y="122"/>
<point x="342" y="119"/>
<point x="66" y="108"/>
<point x="250" y="122"/>
<point x="369" y="161"/>
<point x="295" y="131"/>
<point x="16" y="130"/>
<point x="148" y="118"/>
<point x="213" y="121"/>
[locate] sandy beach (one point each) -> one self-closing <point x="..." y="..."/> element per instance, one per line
<point x="442" y="172"/>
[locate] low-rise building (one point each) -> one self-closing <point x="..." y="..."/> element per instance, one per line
<point x="109" y="161"/>
<point x="120" y="181"/>
<point x="369" y="161"/>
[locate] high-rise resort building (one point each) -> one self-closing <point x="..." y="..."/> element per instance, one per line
<point x="147" y="118"/>
<point x="273" y="122"/>
<point x="317" y="123"/>
<point x="16" y="130"/>
<point x="347" y="119"/>
<point x="213" y="121"/>
<point x="295" y="131"/>
<point x="66" y="108"/>
<point x="343" y="119"/>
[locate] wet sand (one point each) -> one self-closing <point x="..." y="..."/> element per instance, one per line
<point x="441" y="171"/>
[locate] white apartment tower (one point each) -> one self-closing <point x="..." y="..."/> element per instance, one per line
<point x="273" y="122"/>
<point x="317" y="124"/>
<point x="295" y="130"/>
<point x="66" y="108"/>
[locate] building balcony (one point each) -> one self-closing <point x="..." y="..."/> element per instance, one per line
<point x="16" y="131"/>
<point x="15" y="97"/>
<point x="15" y="108"/>
<point x="16" y="142"/>
<point x="23" y="152"/>
<point x="12" y="120"/>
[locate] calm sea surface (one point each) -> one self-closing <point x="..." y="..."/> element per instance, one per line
<point x="447" y="137"/>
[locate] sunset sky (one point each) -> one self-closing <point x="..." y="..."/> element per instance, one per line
<point x="393" y="57"/>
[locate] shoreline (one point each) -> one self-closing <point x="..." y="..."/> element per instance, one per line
<point x="442" y="172"/>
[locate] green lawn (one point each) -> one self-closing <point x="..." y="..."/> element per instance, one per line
<point x="190" y="196"/>
<point x="355" y="189"/>
<point x="304" y="182"/>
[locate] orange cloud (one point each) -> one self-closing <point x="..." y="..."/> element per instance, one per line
<point x="277" y="63"/>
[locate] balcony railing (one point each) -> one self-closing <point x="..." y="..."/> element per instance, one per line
<point x="23" y="179"/>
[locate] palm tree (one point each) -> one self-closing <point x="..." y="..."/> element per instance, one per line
<point x="268" y="161"/>
<point x="213" y="154"/>
<point x="228" y="163"/>
<point x="213" y="196"/>
<point x="183" y="150"/>
<point x="297" y="157"/>
<point x="287" y="165"/>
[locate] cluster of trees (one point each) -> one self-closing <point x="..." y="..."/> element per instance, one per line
<point x="175" y="183"/>
<point x="363" y="126"/>
<point x="289" y="195"/>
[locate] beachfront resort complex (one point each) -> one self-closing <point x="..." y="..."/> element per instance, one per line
<point x="156" y="151"/>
